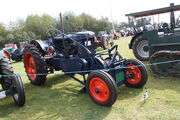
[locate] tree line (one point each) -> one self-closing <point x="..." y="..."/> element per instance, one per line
<point x="36" y="26"/>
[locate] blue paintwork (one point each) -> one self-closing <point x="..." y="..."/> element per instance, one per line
<point x="17" y="54"/>
<point x="76" y="52"/>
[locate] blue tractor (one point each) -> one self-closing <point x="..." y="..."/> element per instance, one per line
<point x="75" y="53"/>
<point x="17" y="54"/>
<point x="11" y="83"/>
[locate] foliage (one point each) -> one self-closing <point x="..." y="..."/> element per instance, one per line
<point x="39" y="25"/>
<point x="136" y="22"/>
<point x="143" y="21"/>
<point x="3" y="34"/>
<point x="83" y="22"/>
<point x="36" y="26"/>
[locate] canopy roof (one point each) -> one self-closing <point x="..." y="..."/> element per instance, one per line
<point x="155" y="11"/>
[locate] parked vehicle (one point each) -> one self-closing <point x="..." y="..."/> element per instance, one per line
<point x="104" y="40"/>
<point x="75" y="54"/>
<point x="17" y="54"/>
<point x="161" y="45"/>
<point x="139" y="43"/>
<point x="11" y="83"/>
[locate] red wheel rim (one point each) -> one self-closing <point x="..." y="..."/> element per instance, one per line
<point x="30" y="66"/>
<point x="6" y="54"/>
<point x="137" y="75"/>
<point x="99" y="89"/>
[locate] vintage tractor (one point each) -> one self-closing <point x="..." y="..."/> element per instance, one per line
<point x="163" y="44"/>
<point x="104" y="40"/>
<point x="7" y="52"/>
<point x="140" y="42"/>
<point x="75" y="54"/>
<point x="115" y="35"/>
<point x="17" y="54"/>
<point x="11" y="83"/>
<point x="8" y="49"/>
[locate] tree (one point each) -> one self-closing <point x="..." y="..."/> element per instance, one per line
<point x="39" y="25"/>
<point x="3" y="34"/>
<point x="143" y="21"/>
<point x="123" y="25"/>
<point x="131" y="22"/>
<point x="3" y="31"/>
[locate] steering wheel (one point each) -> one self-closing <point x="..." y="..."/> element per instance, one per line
<point x="166" y="28"/>
<point x="53" y="32"/>
<point x="165" y="25"/>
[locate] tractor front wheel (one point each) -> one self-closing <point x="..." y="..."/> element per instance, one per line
<point x="138" y="72"/>
<point x="34" y="64"/>
<point x="140" y="48"/>
<point x="101" y="88"/>
<point x="19" y="94"/>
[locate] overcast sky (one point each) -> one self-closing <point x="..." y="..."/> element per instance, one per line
<point x="11" y="10"/>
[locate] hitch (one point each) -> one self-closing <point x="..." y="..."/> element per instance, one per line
<point x="5" y="93"/>
<point x="130" y="75"/>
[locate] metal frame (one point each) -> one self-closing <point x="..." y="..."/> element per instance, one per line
<point x="170" y="9"/>
<point x="92" y="58"/>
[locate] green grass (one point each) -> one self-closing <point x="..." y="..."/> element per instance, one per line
<point x="59" y="99"/>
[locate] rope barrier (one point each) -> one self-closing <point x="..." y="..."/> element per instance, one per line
<point x="88" y="71"/>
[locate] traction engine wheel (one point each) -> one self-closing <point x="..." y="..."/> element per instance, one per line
<point x="19" y="95"/>
<point x="34" y="65"/>
<point x="139" y="74"/>
<point x="140" y="48"/>
<point x="101" y="88"/>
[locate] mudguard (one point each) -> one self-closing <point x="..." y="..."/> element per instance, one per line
<point x="42" y="45"/>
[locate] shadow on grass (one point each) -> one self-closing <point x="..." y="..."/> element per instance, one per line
<point x="57" y="99"/>
<point x="125" y="92"/>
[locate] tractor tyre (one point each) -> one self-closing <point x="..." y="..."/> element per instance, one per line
<point x="6" y="69"/>
<point x="101" y="88"/>
<point x="105" y="43"/>
<point x="140" y="48"/>
<point x="19" y="95"/>
<point x="34" y="65"/>
<point x="139" y="72"/>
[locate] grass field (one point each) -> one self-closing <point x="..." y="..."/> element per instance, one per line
<point x="59" y="99"/>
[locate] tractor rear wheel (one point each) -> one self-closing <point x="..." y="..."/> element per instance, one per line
<point x="6" y="69"/>
<point x="140" y="48"/>
<point x="101" y="88"/>
<point x="34" y="65"/>
<point x="138" y="72"/>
